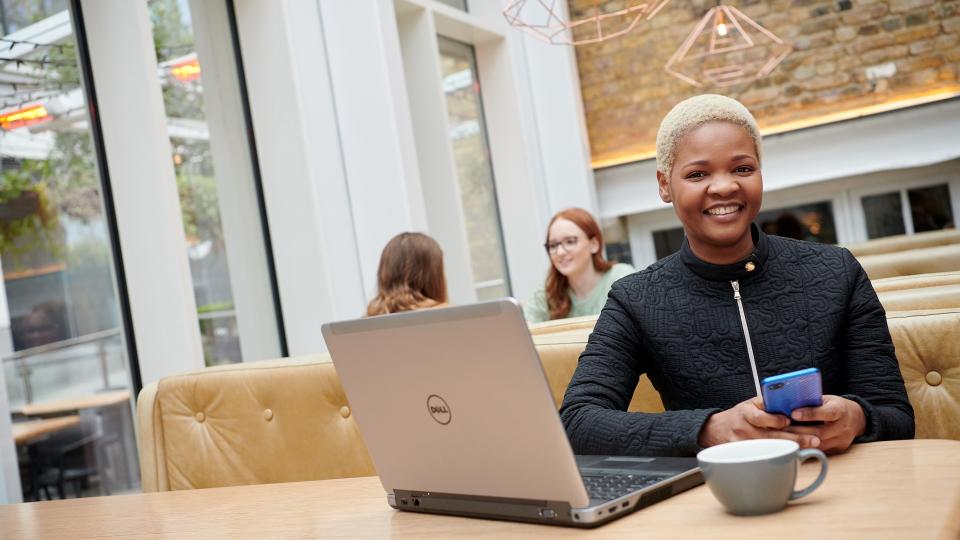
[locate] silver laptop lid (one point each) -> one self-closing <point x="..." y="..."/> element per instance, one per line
<point x="454" y="400"/>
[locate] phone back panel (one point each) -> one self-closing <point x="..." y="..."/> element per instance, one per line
<point x="784" y="393"/>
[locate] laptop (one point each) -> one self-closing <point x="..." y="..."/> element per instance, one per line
<point x="458" y="417"/>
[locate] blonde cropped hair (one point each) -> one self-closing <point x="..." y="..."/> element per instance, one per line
<point x="692" y="113"/>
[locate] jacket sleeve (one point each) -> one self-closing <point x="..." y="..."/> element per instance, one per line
<point x="873" y="377"/>
<point x="594" y="410"/>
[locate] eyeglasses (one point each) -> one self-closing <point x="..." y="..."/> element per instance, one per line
<point x="568" y="244"/>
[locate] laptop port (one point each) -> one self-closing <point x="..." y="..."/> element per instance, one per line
<point x="416" y="502"/>
<point x="625" y="504"/>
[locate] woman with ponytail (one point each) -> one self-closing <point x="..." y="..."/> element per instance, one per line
<point x="410" y="275"/>
<point x="579" y="277"/>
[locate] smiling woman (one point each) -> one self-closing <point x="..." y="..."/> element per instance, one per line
<point x="693" y="320"/>
<point x="579" y="276"/>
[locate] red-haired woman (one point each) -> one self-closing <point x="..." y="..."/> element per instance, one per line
<point x="410" y="275"/>
<point x="579" y="277"/>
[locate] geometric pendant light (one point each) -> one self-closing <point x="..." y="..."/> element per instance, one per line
<point x="727" y="48"/>
<point x="543" y="19"/>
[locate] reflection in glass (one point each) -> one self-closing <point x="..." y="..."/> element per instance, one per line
<point x="60" y="333"/>
<point x="930" y="208"/>
<point x="459" y="4"/>
<point x="811" y="222"/>
<point x="474" y="172"/>
<point x="617" y="240"/>
<point x="190" y="141"/>
<point x="884" y="215"/>
<point x="667" y="242"/>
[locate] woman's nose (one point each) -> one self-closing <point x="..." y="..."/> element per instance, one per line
<point x="723" y="185"/>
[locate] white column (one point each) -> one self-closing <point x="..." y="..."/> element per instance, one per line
<point x="152" y="242"/>
<point x="301" y="167"/>
<point x="445" y="221"/>
<point x="376" y="131"/>
<point x="561" y="128"/>
<point x="236" y="186"/>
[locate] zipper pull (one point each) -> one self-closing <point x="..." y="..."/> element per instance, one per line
<point x="736" y="289"/>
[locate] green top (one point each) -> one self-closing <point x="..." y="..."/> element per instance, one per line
<point x="535" y="309"/>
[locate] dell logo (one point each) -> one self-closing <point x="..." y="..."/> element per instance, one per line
<point x="438" y="409"/>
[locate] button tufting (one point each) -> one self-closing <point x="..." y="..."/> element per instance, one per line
<point x="345" y="411"/>
<point x="267" y="415"/>
<point x="750" y="266"/>
<point x="934" y="378"/>
<point x="200" y="417"/>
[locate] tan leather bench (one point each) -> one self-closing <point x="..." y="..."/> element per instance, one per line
<point x="905" y="241"/>
<point x="912" y="261"/>
<point x="936" y="279"/>
<point x="928" y="350"/>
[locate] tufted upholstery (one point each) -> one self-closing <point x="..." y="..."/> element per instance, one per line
<point x="928" y="349"/>
<point x="904" y="242"/>
<point x="259" y="422"/>
<point x="944" y="258"/>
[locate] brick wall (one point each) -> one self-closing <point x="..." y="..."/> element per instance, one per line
<point x="836" y="44"/>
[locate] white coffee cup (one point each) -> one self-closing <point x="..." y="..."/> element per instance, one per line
<point x="757" y="476"/>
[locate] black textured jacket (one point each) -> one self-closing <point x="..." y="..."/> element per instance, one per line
<point x="807" y="305"/>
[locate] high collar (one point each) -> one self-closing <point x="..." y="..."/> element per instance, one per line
<point x="729" y="272"/>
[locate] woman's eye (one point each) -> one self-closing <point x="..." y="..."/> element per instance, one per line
<point x="695" y="175"/>
<point x="746" y="169"/>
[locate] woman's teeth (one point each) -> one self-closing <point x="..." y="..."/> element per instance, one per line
<point x="721" y="210"/>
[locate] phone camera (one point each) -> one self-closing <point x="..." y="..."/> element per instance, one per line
<point x="776" y="386"/>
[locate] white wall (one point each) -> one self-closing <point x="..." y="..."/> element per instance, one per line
<point x="144" y="187"/>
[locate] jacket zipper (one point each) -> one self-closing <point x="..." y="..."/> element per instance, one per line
<point x="746" y="334"/>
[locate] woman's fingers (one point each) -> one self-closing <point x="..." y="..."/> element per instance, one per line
<point x="803" y="439"/>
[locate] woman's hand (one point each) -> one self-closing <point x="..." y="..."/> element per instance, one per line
<point x="748" y="420"/>
<point x="843" y="420"/>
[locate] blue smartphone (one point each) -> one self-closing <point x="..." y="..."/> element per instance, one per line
<point x="784" y="393"/>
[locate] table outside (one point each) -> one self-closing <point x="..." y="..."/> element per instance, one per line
<point x="26" y="432"/>
<point x="896" y="489"/>
<point x="63" y="406"/>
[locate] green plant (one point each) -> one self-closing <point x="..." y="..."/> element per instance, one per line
<point x="28" y="217"/>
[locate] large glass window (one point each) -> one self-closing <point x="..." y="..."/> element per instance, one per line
<point x="193" y="163"/>
<point x="65" y="365"/>
<point x="474" y="172"/>
<point x="668" y="241"/>
<point x="929" y="209"/>
<point x="459" y="4"/>
<point x="884" y="215"/>
<point x="811" y="222"/>
<point x="617" y="240"/>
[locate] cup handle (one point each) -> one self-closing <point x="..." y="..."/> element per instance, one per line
<point x="804" y="455"/>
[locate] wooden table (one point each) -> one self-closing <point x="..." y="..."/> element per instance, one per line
<point x="62" y="406"/>
<point x="899" y="489"/>
<point x="24" y="432"/>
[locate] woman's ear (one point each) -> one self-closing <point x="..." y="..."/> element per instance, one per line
<point x="594" y="245"/>
<point x="664" y="184"/>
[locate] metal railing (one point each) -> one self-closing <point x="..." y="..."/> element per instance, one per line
<point x="25" y="367"/>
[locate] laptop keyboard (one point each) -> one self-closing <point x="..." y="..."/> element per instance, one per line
<point x="611" y="486"/>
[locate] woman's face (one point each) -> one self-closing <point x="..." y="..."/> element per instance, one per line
<point x="571" y="252"/>
<point x="716" y="189"/>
